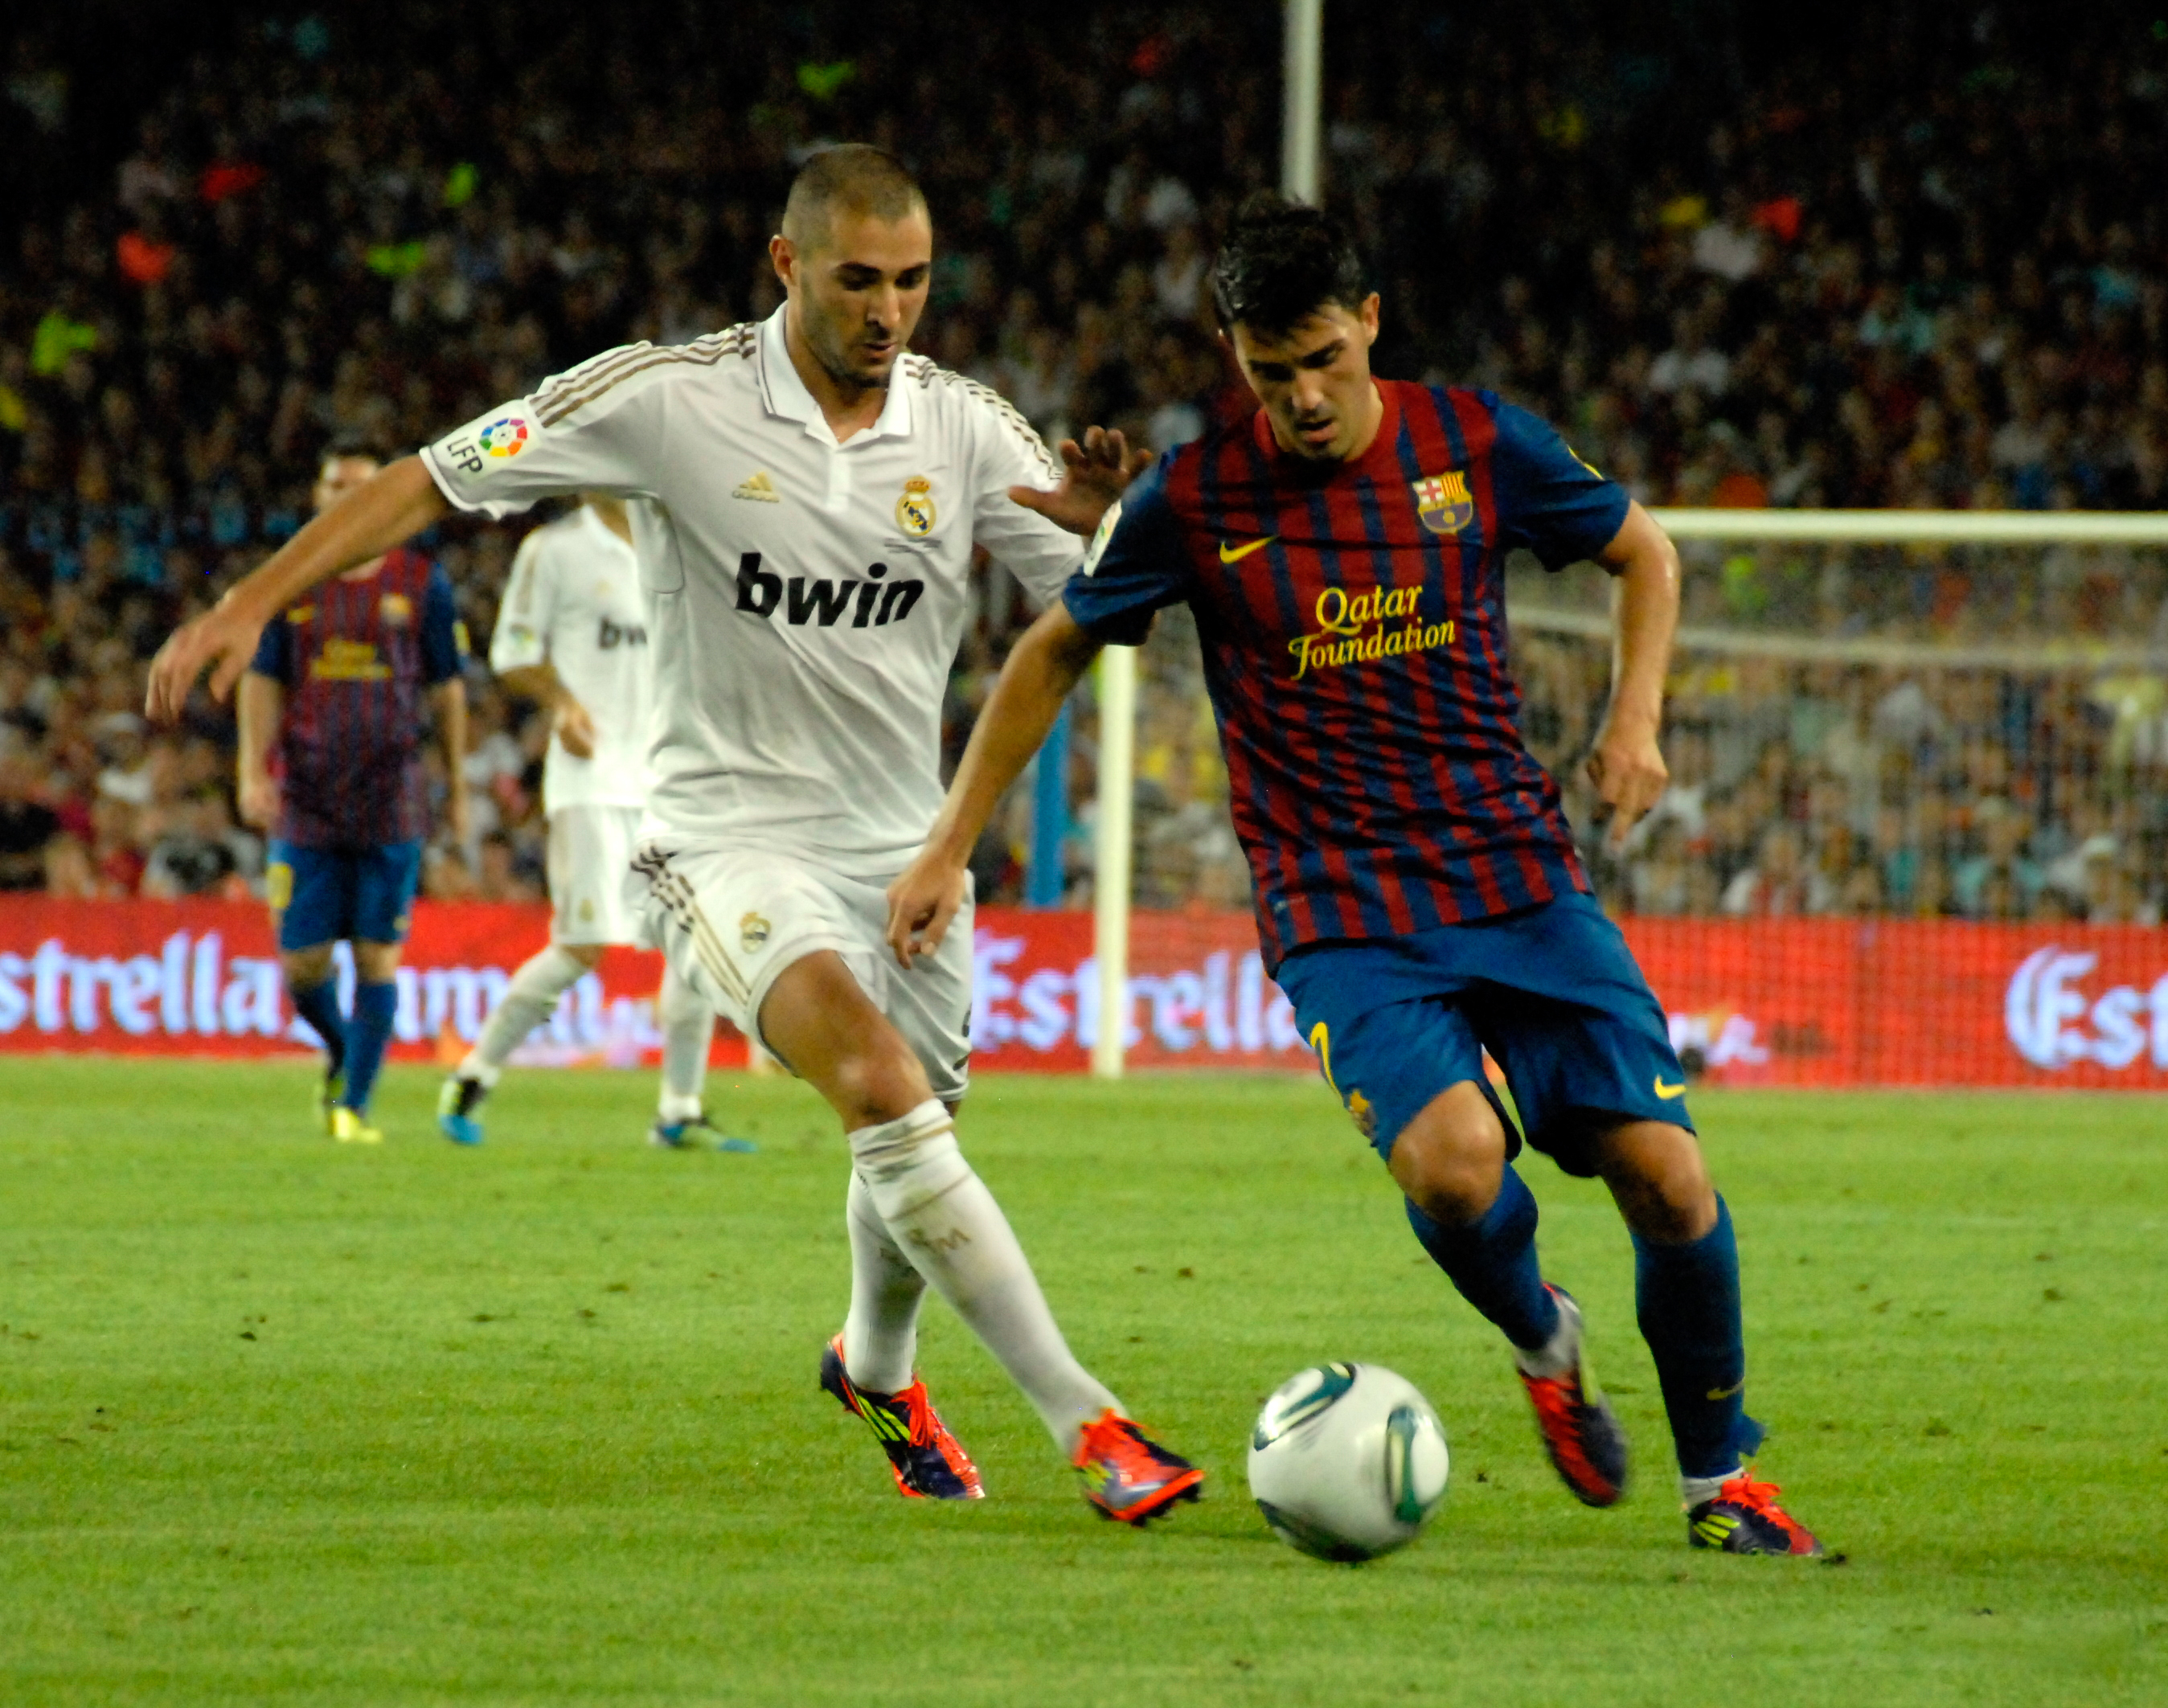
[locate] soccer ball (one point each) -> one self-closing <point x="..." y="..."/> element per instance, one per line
<point x="1347" y="1462"/>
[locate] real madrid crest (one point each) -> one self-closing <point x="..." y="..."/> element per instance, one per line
<point x="752" y="932"/>
<point x="914" y="510"/>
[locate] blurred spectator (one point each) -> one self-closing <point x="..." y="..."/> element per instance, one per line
<point x="1780" y="885"/>
<point x="27" y="826"/>
<point x="1862" y="262"/>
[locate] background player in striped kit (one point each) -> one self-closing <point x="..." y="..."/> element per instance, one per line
<point x="572" y="637"/>
<point x="1419" y="896"/>
<point x="331" y="713"/>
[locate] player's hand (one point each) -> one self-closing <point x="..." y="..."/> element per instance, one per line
<point x="1629" y="771"/>
<point x="575" y="728"/>
<point x="921" y="903"/>
<point x="459" y="812"/>
<point x="259" y="802"/>
<point x="223" y="638"/>
<point x="1097" y="471"/>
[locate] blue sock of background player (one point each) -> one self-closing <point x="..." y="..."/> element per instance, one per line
<point x="1687" y="1299"/>
<point x="367" y="1034"/>
<point x="1492" y="1261"/>
<point x="318" y="1004"/>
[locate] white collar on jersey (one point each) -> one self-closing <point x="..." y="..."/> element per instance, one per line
<point x="787" y="396"/>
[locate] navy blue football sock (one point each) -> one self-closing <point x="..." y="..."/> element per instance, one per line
<point x="1686" y="1297"/>
<point x="1492" y="1260"/>
<point x="318" y="1004"/>
<point x="367" y="1034"/>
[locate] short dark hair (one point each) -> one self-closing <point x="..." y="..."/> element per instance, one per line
<point x="344" y="445"/>
<point x="1280" y="262"/>
<point x="855" y="176"/>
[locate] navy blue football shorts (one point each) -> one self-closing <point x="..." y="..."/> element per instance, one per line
<point x="331" y="895"/>
<point x="1552" y="992"/>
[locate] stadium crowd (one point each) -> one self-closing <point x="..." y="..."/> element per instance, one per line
<point x="1922" y="264"/>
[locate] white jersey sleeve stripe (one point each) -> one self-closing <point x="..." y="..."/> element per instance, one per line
<point x="558" y="405"/>
<point x="925" y="371"/>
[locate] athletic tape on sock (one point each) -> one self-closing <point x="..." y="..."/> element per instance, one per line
<point x="911" y="1161"/>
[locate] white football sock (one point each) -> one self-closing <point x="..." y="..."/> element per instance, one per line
<point x="881" y="1336"/>
<point x="1562" y="1352"/>
<point x="688" y="1023"/>
<point x="941" y="1215"/>
<point x="529" y="1000"/>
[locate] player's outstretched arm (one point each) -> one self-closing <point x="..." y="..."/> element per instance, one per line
<point x="397" y="502"/>
<point x="1046" y="664"/>
<point x="1627" y="765"/>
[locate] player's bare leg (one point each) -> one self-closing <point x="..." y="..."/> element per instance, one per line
<point x="1477" y="1219"/>
<point x="941" y="1217"/>
<point x="1685" y="1278"/>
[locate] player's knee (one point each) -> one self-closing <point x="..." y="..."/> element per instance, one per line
<point x="1450" y="1159"/>
<point x="306" y="969"/>
<point x="1656" y="1172"/>
<point x="588" y="955"/>
<point x="374" y="963"/>
<point x="879" y="1082"/>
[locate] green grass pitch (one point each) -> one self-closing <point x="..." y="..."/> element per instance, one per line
<point x="537" y="1424"/>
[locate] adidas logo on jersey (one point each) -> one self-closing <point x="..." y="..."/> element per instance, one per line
<point x="874" y="602"/>
<point x="759" y="488"/>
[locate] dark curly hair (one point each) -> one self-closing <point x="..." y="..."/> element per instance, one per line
<point x="1281" y="264"/>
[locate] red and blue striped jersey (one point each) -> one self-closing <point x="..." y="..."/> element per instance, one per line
<point x="1353" y="618"/>
<point x="356" y="662"/>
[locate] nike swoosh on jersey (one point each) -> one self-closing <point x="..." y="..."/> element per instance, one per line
<point x="1229" y="552"/>
<point x="1668" y="1092"/>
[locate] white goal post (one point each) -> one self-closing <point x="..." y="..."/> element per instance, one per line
<point x="1118" y="673"/>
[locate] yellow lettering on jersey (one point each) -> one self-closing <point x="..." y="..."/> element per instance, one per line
<point x="1351" y="628"/>
<point x="348" y="661"/>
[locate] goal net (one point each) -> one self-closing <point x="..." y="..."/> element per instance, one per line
<point x="1916" y="833"/>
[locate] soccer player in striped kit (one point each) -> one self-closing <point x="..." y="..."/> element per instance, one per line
<point x="1418" y="894"/>
<point x="331" y="712"/>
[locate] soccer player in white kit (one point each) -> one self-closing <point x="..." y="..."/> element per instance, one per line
<point x="804" y="499"/>
<point x="571" y="635"/>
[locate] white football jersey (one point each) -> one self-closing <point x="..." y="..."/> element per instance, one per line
<point x="574" y="602"/>
<point x="804" y="599"/>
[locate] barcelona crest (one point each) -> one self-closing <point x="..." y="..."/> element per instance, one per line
<point x="1442" y="502"/>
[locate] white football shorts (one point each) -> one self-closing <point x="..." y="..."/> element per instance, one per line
<point x="591" y="849"/>
<point x="731" y="920"/>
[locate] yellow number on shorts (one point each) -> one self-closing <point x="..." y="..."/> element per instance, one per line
<point x="278" y="885"/>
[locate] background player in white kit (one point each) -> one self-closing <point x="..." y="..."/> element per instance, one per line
<point x="804" y="499"/>
<point x="572" y="636"/>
